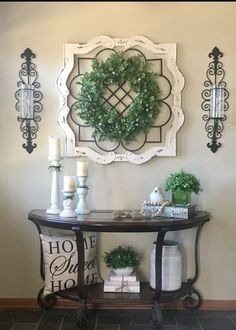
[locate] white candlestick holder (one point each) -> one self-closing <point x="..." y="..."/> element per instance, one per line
<point x="55" y="168"/>
<point x="82" y="191"/>
<point x="68" y="205"/>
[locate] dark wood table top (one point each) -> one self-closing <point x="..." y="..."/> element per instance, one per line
<point x="104" y="221"/>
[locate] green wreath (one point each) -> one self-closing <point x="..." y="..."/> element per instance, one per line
<point x="107" y="122"/>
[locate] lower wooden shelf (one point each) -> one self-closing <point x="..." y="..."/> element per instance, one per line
<point x="95" y="294"/>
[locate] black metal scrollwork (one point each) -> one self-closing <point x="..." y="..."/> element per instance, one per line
<point x="48" y="301"/>
<point x="213" y="104"/>
<point x="193" y="300"/>
<point x="28" y="97"/>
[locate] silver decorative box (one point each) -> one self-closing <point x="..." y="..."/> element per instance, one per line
<point x="171" y="211"/>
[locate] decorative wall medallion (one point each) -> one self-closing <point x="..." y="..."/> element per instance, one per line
<point x="160" y="139"/>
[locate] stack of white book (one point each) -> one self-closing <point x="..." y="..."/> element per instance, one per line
<point x="117" y="283"/>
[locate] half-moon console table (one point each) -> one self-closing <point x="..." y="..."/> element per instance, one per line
<point x="102" y="221"/>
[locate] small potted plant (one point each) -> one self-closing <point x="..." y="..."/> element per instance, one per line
<point x="122" y="260"/>
<point x="182" y="184"/>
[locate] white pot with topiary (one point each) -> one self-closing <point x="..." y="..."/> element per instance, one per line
<point x="122" y="260"/>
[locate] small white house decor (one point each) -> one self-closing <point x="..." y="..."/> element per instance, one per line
<point x="157" y="127"/>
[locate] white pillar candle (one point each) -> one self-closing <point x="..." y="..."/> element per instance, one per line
<point x="69" y="183"/>
<point x="54" y="147"/>
<point x="217" y="102"/>
<point x="82" y="168"/>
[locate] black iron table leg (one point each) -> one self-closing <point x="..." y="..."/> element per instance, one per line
<point x="156" y="311"/>
<point x="189" y="302"/>
<point x="50" y="300"/>
<point x="194" y="300"/>
<point x="82" y="313"/>
<point x="157" y="315"/>
<point x="46" y="302"/>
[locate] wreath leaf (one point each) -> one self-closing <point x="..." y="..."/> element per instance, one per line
<point x="107" y="122"/>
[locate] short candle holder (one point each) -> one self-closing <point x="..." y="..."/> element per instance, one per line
<point x="68" y="205"/>
<point x="55" y="168"/>
<point x="82" y="191"/>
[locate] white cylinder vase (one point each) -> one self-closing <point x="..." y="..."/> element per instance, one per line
<point x="171" y="266"/>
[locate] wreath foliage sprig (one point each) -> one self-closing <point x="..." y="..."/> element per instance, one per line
<point x="107" y="122"/>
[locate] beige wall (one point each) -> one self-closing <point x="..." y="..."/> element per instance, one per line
<point x="24" y="179"/>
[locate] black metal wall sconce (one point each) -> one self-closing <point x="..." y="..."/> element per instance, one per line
<point x="215" y="97"/>
<point x="28" y="98"/>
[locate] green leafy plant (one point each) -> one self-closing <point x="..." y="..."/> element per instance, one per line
<point x="121" y="257"/>
<point x="108" y="123"/>
<point x="183" y="181"/>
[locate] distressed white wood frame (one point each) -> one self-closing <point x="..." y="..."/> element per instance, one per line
<point x="168" y="51"/>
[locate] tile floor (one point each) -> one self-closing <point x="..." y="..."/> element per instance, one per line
<point x="64" y="319"/>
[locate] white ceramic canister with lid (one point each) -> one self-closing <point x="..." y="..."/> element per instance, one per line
<point x="171" y="266"/>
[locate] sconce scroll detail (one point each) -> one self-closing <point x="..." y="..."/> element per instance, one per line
<point x="215" y="97"/>
<point x="28" y="100"/>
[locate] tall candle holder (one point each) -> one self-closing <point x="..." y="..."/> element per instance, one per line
<point x="68" y="205"/>
<point x="82" y="191"/>
<point x="55" y="168"/>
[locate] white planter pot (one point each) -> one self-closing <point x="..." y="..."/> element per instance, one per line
<point x="171" y="266"/>
<point x="123" y="271"/>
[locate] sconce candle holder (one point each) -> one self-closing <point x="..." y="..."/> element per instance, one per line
<point x="215" y="97"/>
<point x="28" y="98"/>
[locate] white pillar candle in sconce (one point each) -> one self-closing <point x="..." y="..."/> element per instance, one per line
<point x="69" y="184"/>
<point x="54" y="147"/>
<point x="82" y="168"/>
<point x="27" y="101"/>
<point x="217" y="102"/>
